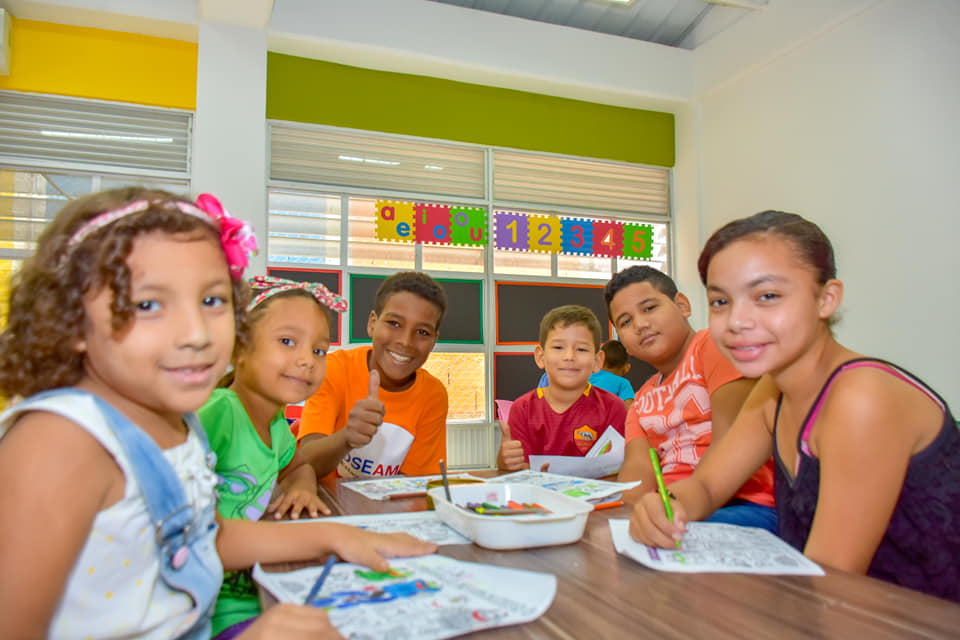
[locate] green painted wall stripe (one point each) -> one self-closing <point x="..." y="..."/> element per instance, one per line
<point x="319" y="92"/>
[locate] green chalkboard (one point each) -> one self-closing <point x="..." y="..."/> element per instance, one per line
<point x="521" y="306"/>
<point x="514" y="374"/>
<point x="463" y="322"/>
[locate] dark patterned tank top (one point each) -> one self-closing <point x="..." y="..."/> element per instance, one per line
<point x="921" y="547"/>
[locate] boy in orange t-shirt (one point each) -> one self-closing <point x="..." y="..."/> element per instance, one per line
<point x="378" y="412"/>
<point x="689" y="403"/>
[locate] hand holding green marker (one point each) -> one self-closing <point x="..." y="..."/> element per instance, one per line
<point x="662" y="488"/>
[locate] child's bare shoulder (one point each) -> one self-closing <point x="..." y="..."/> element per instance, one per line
<point x="53" y="441"/>
<point x="875" y="401"/>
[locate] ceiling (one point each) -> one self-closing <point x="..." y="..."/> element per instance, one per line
<point x="676" y="23"/>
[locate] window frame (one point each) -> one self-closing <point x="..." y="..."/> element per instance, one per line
<point x="489" y="275"/>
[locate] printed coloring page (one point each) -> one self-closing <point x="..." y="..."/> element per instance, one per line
<point x="426" y="598"/>
<point x="709" y="547"/>
<point x="425" y="525"/>
<point x="582" y="488"/>
<point x="384" y="488"/>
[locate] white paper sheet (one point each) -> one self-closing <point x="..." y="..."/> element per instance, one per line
<point x="427" y="598"/>
<point x="604" y="458"/>
<point x="595" y="467"/>
<point x="383" y="488"/>
<point x="709" y="547"/>
<point x="582" y="488"/>
<point x="425" y="525"/>
<point x="611" y="443"/>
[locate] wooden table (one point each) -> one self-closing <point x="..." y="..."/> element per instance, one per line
<point x="602" y="594"/>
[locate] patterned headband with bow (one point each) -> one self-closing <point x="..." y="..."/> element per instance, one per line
<point x="266" y="286"/>
<point x="236" y="236"/>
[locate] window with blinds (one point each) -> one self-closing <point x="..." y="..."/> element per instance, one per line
<point x="321" y="162"/>
<point x="324" y="183"/>
<point x="340" y="157"/>
<point x="540" y="179"/>
<point x="55" y="149"/>
<point x="93" y="135"/>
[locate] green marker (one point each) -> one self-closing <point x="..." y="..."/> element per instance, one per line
<point x="662" y="488"/>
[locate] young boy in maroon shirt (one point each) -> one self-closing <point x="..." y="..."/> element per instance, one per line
<point x="567" y="417"/>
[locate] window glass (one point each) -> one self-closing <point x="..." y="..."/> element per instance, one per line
<point x="363" y="247"/>
<point x="440" y="258"/>
<point x="7" y="269"/>
<point x="464" y="376"/>
<point x="660" y="258"/>
<point x="304" y="228"/>
<point x="584" y="267"/>
<point x="520" y="263"/>
<point x="31" y="199"/>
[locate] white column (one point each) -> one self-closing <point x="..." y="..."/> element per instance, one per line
<point x="229" y="131"/>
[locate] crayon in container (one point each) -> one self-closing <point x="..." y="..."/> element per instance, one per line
<point x="560" y="519"/>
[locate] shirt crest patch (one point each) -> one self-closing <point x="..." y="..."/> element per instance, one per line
<point x="584" y="436"/>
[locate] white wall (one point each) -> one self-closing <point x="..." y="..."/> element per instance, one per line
<point x="855" y="128"/>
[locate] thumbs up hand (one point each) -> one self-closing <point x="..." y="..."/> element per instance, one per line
<point x="510" y="456"/>
<point x="366" y="416"/>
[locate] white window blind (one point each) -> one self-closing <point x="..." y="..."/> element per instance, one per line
<point x="339" y="157"/>
<point x="93" y="135"/>
<point x="527" y="178"/>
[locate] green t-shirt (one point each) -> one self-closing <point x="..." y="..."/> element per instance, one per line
<point x="248" y="469"/>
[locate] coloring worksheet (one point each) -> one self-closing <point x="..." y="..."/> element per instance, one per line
<point x="426" y="598"/>
<point x="397" y="486"/>
<point x="604" y="458"/>
<point x="709" y="547"/>
<point x="581" y="488"/>
<point x="579" y="466"/>
<point x="425" y="525"/>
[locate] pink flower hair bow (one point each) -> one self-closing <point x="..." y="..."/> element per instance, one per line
<point x="266" y="286"/>
<point x="236" y="236"/>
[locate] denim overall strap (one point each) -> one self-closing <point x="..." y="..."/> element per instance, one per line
<point x="184" y="542"/>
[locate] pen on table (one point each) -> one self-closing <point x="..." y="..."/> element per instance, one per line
<point x="332" y="560"/>
<point x="662" y="488"/>
<point x="446" y="485"/>
<point x="608" y="505"/>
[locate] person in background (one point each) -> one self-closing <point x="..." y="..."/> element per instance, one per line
<point x="378" y="412"/>
<point x="567" y="417"/>
<point x="868" y="456"/>
<point x="689" y="404"/>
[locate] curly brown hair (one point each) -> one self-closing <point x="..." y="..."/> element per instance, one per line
<point x="38" y="345"/>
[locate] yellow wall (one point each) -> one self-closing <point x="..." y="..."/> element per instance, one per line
<point x="96" y="63"/>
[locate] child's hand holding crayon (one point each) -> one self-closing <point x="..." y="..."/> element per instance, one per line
<point x="366" y="416"/>
<point x="651" y="526"/>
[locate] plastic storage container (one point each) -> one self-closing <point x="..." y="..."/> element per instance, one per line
<point x="563" y="526"/>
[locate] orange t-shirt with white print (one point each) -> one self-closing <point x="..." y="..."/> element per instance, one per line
<point x="673" y="414"/>
<point x="414" y="430"/>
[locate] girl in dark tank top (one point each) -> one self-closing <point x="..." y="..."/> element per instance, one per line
<point x="867" y="456"/>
